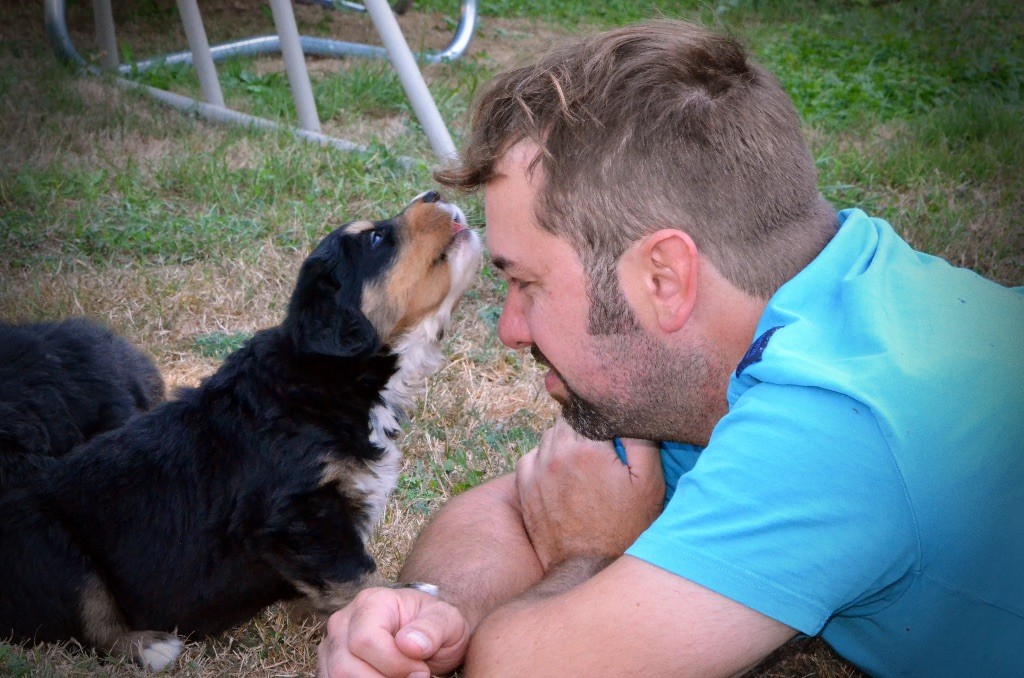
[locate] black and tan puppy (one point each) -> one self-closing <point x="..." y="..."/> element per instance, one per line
<point x="62" y="383"/>
<point x="263" y="483"/>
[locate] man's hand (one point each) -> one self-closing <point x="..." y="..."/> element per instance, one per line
<point x="397" y="633"/>
<point x="578" y="499"/>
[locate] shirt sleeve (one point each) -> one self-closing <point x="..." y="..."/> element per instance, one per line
<point x="795" y="509"/>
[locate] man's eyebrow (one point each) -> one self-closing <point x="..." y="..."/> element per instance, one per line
<point x="511" y="267"/>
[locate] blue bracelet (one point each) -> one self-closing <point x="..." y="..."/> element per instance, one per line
<point x="620" y="450"/>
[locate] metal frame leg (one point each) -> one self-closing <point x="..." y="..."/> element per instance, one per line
<point x="423" y="104"/>
<point x="396" y="49"/>
<point x="106" y="38"/>
<point x="295" y="64"/>
<point x="200" y="46"/>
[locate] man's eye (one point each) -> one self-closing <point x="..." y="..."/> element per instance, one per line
<point x="375" y="239"/>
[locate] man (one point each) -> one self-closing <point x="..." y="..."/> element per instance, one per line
<point x="850" y="459"/>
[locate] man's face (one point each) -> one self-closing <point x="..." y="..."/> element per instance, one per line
<point x="608" y="385"/>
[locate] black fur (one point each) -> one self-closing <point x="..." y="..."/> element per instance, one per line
<point x="62" y="383"/>
<point x="324" y="314"/>
<point x="197" y="514"/>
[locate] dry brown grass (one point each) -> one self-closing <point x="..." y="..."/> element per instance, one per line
<point x="165" y="307"/>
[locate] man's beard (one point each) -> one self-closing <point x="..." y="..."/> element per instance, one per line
<point x="656" y="395"/>
<point x="589" y="419"/>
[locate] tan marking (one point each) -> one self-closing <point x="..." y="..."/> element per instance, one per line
<point x="333" y="596"/>
<point x="340" y="470"/>
<point x="357" y="227"/>
<point x="104" y="628"/>
<point x="102" y="623"/>
<point x="354" y="481"/>
<point x="382" y="311"/>
<point x="416" y="284"/>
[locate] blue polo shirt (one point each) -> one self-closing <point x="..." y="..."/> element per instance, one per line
<point x="867" y="483"/>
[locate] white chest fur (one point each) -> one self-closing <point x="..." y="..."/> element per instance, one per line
<point x="419" y="355"/>
<point x="382" y="474"/>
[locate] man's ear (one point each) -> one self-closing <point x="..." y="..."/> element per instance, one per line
<point x="667" y="264"/>
<point x="325" y="319"/>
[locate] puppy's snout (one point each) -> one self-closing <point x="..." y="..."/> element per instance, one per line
<point x="431" y="196"/>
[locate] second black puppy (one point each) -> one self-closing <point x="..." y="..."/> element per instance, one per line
<point x="62" y="383"/>
<point x="262" y="484"/>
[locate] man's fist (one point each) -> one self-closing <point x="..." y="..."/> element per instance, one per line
<point x="395" y="633"/>
<point x="578" y="499"/>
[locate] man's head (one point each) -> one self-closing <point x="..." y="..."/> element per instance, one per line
<point x="661" y="125"/>
<point x="652" y="381"/>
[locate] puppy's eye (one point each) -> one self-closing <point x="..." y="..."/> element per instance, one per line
<point x="441" y="258"/>
<point x="375" y="239"/>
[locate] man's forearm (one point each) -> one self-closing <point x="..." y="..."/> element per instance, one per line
<point x="476" y="551"/>
<point x="565" y="576"/>
<point x="512" y="622"/>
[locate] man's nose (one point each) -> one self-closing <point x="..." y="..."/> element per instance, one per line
<point x="512" y="328"/>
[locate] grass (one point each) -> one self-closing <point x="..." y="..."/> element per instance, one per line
<point x="186" y="236"/>
<point x="219" y="345"/>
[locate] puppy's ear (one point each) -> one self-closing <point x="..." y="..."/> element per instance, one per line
<point x="324" y="317"/>
<point x="343" y="332"/>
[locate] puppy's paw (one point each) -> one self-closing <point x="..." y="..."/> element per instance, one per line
<point x="152" y="650"/>
<point x="160" y="654"/>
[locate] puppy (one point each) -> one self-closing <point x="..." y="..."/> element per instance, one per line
<point x="263" y="483"/>
<point x="62" y="383"/>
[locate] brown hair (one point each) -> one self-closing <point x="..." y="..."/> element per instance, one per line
<point x="660" y="124"/>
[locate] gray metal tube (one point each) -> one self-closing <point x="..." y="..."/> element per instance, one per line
<point x="55" y="19"/>
<point x="200" y="46"/>
<point x="295" y="65"/>
<point x="463" y="34"/>
<point x="221" y="114"/>
<point x="56" y="25"/>
<point x="458" y="44"/>
<point x="56" y="30"/>
<point x="264" y="44"/>
<point x="412" y="79"/>
<point x="103" y="17"/>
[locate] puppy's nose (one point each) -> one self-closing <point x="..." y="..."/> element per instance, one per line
<point x="431" y="196"/>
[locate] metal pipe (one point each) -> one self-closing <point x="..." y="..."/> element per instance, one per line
<point x="457" y="46"/>
<point x="295" y="65"/>
<point x="335" y="4"/>
<point x="56" y="30"/>
<point x="221" y="114"/>
<point x="55" y="20"/>
<point x="463" y="34"/>
<point x="200" y="46"/>
<point x="56" y="25"/>
<point x="103" y="17"/>
<point x="423" y="104"/>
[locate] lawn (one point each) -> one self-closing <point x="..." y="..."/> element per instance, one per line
<point x="185" y="235"/>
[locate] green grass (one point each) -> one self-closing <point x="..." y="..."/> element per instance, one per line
<point x="852" y="66"/>
<point x="196" y="206"/>
<point x="947" y="75"/>
<point x="220" y="345"/>
<point x="13" y="664"/>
